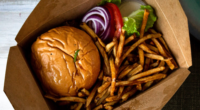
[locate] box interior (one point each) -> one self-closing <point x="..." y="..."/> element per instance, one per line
<point x="172" y="23"/>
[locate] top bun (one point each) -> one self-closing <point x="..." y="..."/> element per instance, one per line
<point x="53" y="61"/>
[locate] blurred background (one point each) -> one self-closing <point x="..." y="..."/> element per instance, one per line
<point x="13" y="14"/>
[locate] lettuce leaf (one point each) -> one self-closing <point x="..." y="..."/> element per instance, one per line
<point x="133" y="22"/>
<point x="117" y="2"/>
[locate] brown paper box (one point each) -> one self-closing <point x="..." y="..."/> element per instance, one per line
<point x="21" y="86"/>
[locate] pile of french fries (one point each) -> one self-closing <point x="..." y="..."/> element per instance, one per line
<point x="129" y="65"/>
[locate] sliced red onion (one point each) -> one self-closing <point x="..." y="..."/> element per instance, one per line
<point x="98" y="19"/>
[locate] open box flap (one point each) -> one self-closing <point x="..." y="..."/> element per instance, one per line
<point x="173" y="21"/>
<point x="20" y="86"/>
<point x="157" y="96"/>
<point x="50" y="13"/>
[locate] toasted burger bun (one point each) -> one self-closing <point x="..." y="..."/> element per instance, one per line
<point x="53" y="61"/>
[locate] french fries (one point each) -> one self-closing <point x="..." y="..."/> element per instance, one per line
<point x="126" y="69"/>
<point x="146" y="73"/>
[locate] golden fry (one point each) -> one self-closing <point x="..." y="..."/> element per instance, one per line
<point x="104" y="96"/>
<point x="144" y="22"/>
<point x="141" y="56"/>
<point x="120" y="91"/>
<point x="147" y="64"/>
<point x="103" y="87"/>
<point x="100" y="77"/>
<point x="151" y="47"/>
<point x="147" y="85"/>
<point x="115" y="47"/>
<point x="92" y="93"/>
<point x="100" y="95"/>
<point x="81" y="94"/>
<point x="153" y="56"/>
<point x="101" y="42"/>
<point x="155" y="64"/>
<point x="110" y="46"/>
<point x="108" y="107"/>
<point x="105" y="78"/>
<point x="121" y="68"/>
<point x="138" y="43"/>
<point x="79" y="106"/>
<point x="111" y="103"/>
<point x="162" y="63"/>
<point x="136" y="70"/>
<point x="146" y="73"/>
<point x="139" y="87"/>
<point x="129" y="39"/>
<point x="114" y="75"/>
<point x="127" y="83"/>
<point x="152" y="78"/>
<point x="98" y="107"/>
<point x="71" y="99"/>
<point x="112" y="98"/>
<point x="126" y="71"/>
<point x="146" y="49"/>
<point x="120" y="48"/>
<point x="128" y="94"/>
<point x="86" y="92"/>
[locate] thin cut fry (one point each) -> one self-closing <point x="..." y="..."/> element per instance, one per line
<point x="121" y="68"/>
<point x="147" y="85"/>
<point x="100" y="77"/>
<point x="101" y="49"/>
<point x="98" y="107"/>
<point x="108" y="107"/>
<point x="146" y="49"/>
<point x="135" y="71"/>
<point x="162" y="63"/>
<point x="91" y="96"/>
<point x="79" y="106"/>
<point x="153" y="56"/>
<point x="152" y="48"/>
<point x="105" y="78"/>
<point x="129" y="39"/>
<point x="101" y="42"/>
<point x="100" y="95"/>
<point x="155" y="64"/>
<point x="104" y="96"/>
<point x="161" y="39"/>
<point x="146" y="73"/>
<point x="112" y="98"/>
<point x="86" y="92"/>
<point x="120" y="48"/>
<point x="152" y="78"/>
<point x="81" y="94"/>
<point x="115" y="47"/>
<point x="120" y="91"/>
<point x="71" y="99"/>
<point x="127" y="89"/>
<point x="141" y="56"/>
<point x="126" y="71"/>
<point x="147" y="64"/>
<point x="110" y="46"/>
<point x="110" y="103"/>
<point x="127" y="83"/>
<point x="128" y="94"/>
<point x="114" y="75"/>
<point x="139" y="87"/>
<point x="138" y="43"/>
<point x="144" y="22"/>
<point x="103" y="87"/>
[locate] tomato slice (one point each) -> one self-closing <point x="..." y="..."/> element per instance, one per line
<point x="113" y="9"/>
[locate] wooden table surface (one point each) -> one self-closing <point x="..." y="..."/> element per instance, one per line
<point x="13" y="14"/>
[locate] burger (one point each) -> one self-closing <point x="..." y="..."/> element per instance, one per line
<point x="65" y="59"/>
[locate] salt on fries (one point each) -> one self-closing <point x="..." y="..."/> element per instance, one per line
<point x="131" y="64"/>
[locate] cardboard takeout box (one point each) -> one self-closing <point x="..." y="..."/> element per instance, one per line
<point x="21" y="86"/>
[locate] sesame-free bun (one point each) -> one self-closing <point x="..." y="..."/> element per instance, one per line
<point x="53" y="61"/>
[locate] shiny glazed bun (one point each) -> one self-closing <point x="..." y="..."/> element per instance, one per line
<point x="53" y="61"/>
